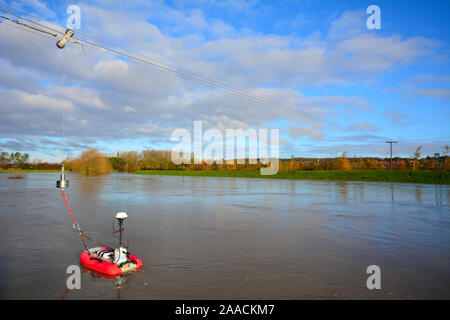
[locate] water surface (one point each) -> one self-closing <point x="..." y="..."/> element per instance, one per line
<point x="228" y="238"/>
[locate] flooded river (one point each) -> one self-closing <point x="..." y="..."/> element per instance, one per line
<point x="228" y="238"/>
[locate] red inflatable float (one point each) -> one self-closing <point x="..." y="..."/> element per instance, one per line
<point x="104" y="260"/>
<point x="101" y="259"/>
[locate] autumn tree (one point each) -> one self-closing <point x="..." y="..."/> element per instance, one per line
<point x="402" y="165"/>
<point x="90" y="163"/>
<point x="131" y="161"/>
<point x="293" y="164"/>
<point x="342" y="163"/>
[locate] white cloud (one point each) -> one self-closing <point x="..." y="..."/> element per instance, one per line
<point x="128" y="109"/>
<point x="370" y="53"/>
<point x="41" y="101"/>
<point x="397" y="118"/>
<point x="350" y="24"/>
<point x="37" y="6"/>
<point x="104" y="91"/>
<point x="434" y="93"/>
<point x="364" y="126"/>
<point x="80" y="95"/>
<point x="313" y="133"/>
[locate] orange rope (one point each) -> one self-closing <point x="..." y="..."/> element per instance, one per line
<point x="68" y="207"/>
<point x="75" y="224"/>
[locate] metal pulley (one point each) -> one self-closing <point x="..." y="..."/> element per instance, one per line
<point x="61" y="43"/>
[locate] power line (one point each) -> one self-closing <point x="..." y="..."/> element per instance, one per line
<point x="171" y="69"/>
<point x="434" y="139"/>
<point x="160" y="65"/>
<point x="15" y="26"/>
<point x="176" y="68"/>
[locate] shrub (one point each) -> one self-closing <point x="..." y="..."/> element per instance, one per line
<point x="90" y="163"/>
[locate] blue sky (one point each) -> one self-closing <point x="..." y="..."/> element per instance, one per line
<point x="317" y="57"/>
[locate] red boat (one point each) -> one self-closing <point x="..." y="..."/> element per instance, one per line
<point x="102" y="259"/>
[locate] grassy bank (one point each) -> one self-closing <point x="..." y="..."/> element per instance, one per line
<point x="25" y="171"/>
<point x="353" y="175"/>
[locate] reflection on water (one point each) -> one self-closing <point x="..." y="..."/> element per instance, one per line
<point x="223" y="238"/>
<point x="119" y="282"/>
<point x="89" y="187"/>
<point x="418" y="195"/>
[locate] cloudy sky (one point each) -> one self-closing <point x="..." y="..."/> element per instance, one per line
<point x="317" y="57"/>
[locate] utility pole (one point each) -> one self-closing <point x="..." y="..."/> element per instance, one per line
<point x="437" y="162"/>
<point x="391" y="142"/>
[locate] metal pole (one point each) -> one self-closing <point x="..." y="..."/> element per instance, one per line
<point x="121" y="216"/>
<point x="120" y="232"/>
<point x="391" y="156"/>
<point x="437" y="161"/>
<point x="391" y="142"/>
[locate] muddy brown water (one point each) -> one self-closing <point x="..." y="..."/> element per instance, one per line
<point x="228" y="238"/>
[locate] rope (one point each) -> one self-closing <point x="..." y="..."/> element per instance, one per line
<point x="82" y="234"/>
<point x="85" y="236"/>
<point x="76" y="226"/>
<point x="70" y="210"/>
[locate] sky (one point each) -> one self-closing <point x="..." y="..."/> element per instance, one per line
<point x="316" y="57"/>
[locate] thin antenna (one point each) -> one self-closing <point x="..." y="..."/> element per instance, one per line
<point x="63" y="150"/>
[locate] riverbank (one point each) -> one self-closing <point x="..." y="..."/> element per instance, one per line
<point x="25" y="171"/>
<point x="429" y="177"/>
<point x="404" y="176"/>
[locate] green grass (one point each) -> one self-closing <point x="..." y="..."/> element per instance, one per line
<point x="430" y="177"/>
<point x="353" y="175"/>
<point x="25" y="170"/>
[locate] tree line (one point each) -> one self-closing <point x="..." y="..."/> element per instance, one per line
<point x="160" y="160"/>
<point x="92" y="162"/>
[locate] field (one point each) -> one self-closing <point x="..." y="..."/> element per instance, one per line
<point x="25" y="171"/>
<point x="429" y="177"/>
<point x="407" y="176"/>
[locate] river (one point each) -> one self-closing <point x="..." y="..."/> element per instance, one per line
<point x="227" y="238"/>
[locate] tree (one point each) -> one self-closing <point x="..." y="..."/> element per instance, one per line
<point x="24" y="158"/>
<point x="402" y="165"/>
<point x="4" y="159"/>
<point x="132" y="161"/>
<point x="13" y="158"/>
<point x="293" y="164"/>
<point x="417" y="154"/>
<point x="342" y="163"/>
<point x="90" y="163"/>
<point x="446" y="151"/>
<point x="16" y="158"/>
